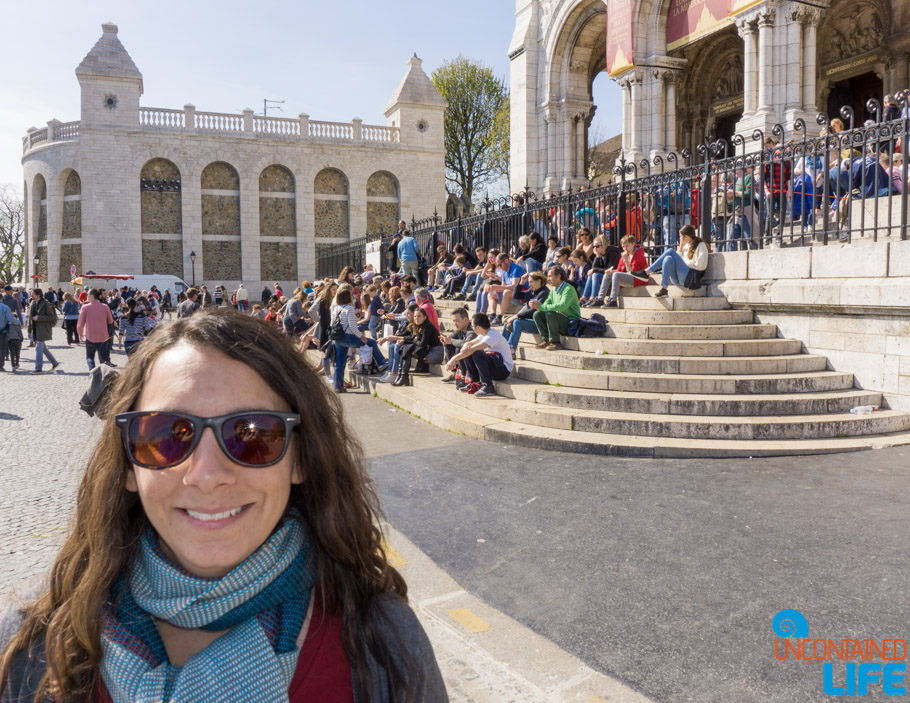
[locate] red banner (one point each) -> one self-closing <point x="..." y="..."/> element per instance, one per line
<point x="620" y="48"/>
<point x="689" y="20"/>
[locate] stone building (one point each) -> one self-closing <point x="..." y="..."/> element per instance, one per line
<point x="688" y="68"/>
<point x="131" y="189"/>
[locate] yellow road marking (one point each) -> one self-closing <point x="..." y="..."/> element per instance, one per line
<point x="392" y="556"/>
<point x="465" y="617"/>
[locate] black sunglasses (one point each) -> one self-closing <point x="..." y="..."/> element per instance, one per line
<point x="160" y="440"/>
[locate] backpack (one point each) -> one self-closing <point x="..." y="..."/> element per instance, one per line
<point x="595" y="326"/>
<point x="53" y="313"/>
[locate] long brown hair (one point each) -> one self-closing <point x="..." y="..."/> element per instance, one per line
<point x="337" y="499"/>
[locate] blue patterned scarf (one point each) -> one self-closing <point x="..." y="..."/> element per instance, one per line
<point x="263" y="602"/>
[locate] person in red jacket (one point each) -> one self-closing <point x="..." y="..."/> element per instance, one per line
<point x="632" y="259"/>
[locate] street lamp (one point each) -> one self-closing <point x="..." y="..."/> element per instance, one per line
<point x="193" y="259"/>
<point x="37" y="262"/>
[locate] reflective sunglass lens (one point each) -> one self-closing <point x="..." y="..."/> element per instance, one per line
<point x="160" y="439"/>
<point x="256" y="439"/>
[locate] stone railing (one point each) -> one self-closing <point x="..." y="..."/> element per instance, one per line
<point x="218" y="122"/>
<point x="188" y="120"/>
<point x="159" y="117"/>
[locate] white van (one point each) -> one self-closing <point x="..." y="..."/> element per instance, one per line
<point x="164" y="282"/>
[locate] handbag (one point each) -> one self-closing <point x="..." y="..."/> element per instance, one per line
<point x="693" y="279"/>
<point x="336" y="331"/>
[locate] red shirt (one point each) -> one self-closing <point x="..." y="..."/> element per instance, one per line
<point x="428" y="308"/>
<point x="323" y="672"/>
<point x="638" y="264"/>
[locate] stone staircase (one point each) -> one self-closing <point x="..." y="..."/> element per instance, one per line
<point x="682" y="376"/>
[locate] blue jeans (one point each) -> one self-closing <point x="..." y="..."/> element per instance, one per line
<point x="41" y="351"/>
<point x="469" y="283"/>
<point x="672" y="267"/>
<point x="394" y="356"/>
<point x="530" y="265"/>
<point x="739" y="233"/>
<point x="670" y="226"/>
<point x="518" y="327"/>
<point x="481" y="305"/>
<point x="592" y="285"/>
<point x="375" y="323"/>
<point x="341" y="354"/>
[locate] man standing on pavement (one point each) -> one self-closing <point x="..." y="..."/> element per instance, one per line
<point x="243" y="299"/>
<point x="12" y="302"/>
<point x="191" y="304"/>
<point x="7" y="321"/>
<point x="41" y="321"/>
<point x="552" y="316"/>
<point x="94" y="327"/>
<point x="206" y="297"/>
<point x="408" y="254"/>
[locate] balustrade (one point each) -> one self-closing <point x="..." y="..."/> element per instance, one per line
<point x="342" y="131"/>
<point x="383" y="135"/>
<point x="219" y="122"/>
<point x="159" y="117"/>
<point x="276" y="126"/>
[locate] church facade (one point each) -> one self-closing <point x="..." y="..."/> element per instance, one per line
<point x="129" y="189"/>
<point x="691" y="68"/>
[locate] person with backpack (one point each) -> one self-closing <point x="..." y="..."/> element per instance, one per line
<point x="7" y="322"/>
<point x="41" y="320"/>
<point x="95" y="327"/>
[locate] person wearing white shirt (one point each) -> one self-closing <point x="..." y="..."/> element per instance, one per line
<point x="487" y="358"/>
<point x="684" y="267"/>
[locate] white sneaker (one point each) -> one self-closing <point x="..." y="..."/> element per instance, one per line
<point x="387" y="378"/>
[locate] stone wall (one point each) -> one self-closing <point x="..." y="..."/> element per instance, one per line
<point x="72" y="220"/>
<point x="42" y="221"/>
<point x="849" y="302"/>
<point x="70" y="255"/>
<point x="331" y="218"/>
<point x="382" y="217"/>
<point x="277" y="217"/>
<point x="220" y="176"/>
<point x="162" y="256"/>
<point x="278" y="261"/>
<point x="161" y="210"/>
<point x="42" y="265"/>
<point x="221" y="261"/>
<point x="221" y="214"/>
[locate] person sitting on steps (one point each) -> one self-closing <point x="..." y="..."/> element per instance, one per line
<point x="553" y="315"/>
<point x="523" y="320"/>
<point x="684" y="267"/>
<point x="487" y="358"/>
<point x="421" y="342"/>
<point x="454" y="342"/>
<point x="632" y="259"/>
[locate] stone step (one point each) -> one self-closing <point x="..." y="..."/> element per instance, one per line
<point x="657" y="316"/>
<point x="509" y="407"/>
<point x="697" y="332"/>
<point x="712" y="405"/>
<point x="524" y="435"/>
<point x="806" y="382"/>
<point x="480" y="423"/>
<point x="682" y="348"/>
<point x="719" y="365"/>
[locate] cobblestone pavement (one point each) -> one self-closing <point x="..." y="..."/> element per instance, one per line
<point x="44" y="443"/>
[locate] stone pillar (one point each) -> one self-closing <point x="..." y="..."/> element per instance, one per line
<point x="658" y="132"/>
<point x="765" y="67"/>
<point x="746" y="29"/>
<point x="580" y="119"/>
<point x="54" y="210"/>
<point x="189" y="116"/>
<point x="635" y="145"/>
<point x="567" y="164"/>
<point x="357" y="129"/>
<point x="552" y="124"/>
<point x="794" y="61"/>
<point x="304" y="125"/>
<point x="810" y="18"/>
<point x="670" y="78"/>
<point x="248" y="121"/>
<point x="625" y="85"/>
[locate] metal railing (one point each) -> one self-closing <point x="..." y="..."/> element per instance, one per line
<point x="785" y="189"/>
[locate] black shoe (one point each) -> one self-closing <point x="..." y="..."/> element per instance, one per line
<point x="422" y="367"/>
<point x="485" y="391"/>
<point x="402" y="380"/>
<point x="471" y="298"/>
<point x="662" y="293"/>
<point x="449" y="379"/>
<point x="596" y="304"/>
<point x="460" y="296"/>
<point x="641" y="273"/>
<point x="612" y="304"/>
<point x="109" y="363"/>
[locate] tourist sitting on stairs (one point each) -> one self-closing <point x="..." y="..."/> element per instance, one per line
<point x="422" y="342"/>
<point x="402" y="320"/>
<point x="523" y="321"/>
<point x="487" y="358"/>
<point x="632" y="259"/>
<point x="455" y="341"/>
<point x="552" y="316"/>
<point x="684" y="267"/>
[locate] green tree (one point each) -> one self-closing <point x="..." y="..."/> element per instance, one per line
<point x="476" y="124"/>
<point x="12" y="235"/>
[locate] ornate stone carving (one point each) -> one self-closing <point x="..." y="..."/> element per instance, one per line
<point x="745" y="26"/>
<point x="854" y="32"/>
<point x="729" y="82"/>
<point x="766" y="17"/>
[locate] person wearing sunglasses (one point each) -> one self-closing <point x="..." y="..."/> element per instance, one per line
<point x="225" y="545"/>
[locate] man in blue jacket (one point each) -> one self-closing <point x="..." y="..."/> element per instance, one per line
<point x="408" y="254"/>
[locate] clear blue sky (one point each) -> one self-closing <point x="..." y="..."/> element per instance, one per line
<point x="334" y="64"/>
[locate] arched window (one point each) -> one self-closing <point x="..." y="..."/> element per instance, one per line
<point x="39" y="193"/>
<point x="277" y="224"/>
<point x="71" y="229"/>
<point x="383" y="203"/>
<point x="162" y="218"/>
<point x="331" y="209"/>
<point x="221" y="254"/>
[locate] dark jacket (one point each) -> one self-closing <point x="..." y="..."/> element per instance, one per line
<point x="42" y="328"/>
<point x="599" y="265"/>
<point x="527" y="312"/>
<point x="397" y="625"/>
<point x="538" y="253"/>
<point x="187" y="307"/>
<point x="427" y="337"/>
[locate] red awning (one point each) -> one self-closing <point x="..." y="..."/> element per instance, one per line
<point x="118" y="277"/>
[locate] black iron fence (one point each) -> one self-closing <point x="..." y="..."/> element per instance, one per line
<point x="814" y="184"/>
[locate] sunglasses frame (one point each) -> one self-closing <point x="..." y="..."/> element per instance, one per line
<point x="124" y="420"/>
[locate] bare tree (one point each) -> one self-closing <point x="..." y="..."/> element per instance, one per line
<point x="12" y="235"/>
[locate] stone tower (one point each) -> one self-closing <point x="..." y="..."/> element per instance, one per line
<point x="111" y="83"/>
<point x="417" y="108"/>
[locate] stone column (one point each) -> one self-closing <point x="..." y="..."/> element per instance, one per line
<point x="552" y="117"/>
<point x="794" y="60"/>
<point x="658" y="132"/>
<point x="580" y="119"/>
<point x="811" y="18"/>
<point x="765" y="67"/>
<point x="567" y="164"/>
<point x="626" y="113"/>
<point x="746" y="29"/>
<point x="670" y="78"/>
<point x="635" y="126"/>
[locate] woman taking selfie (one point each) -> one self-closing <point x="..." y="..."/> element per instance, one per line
<point x="225" y="544"/>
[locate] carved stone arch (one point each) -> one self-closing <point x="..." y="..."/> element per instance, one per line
<point x="278" y="223"/>
<point x="383" y="202"/>
<point x="572" y="37"/>
<point x="331" y="181"/>
<point x="69" y="222"/>
<point x="220" y="175"/>
<point x="852" y="28"/>
<point x="161" y="213"/>
<point x="276" y="179"/>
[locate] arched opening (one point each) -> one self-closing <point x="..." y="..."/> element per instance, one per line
<point x="331" y="201"/>
<point x="71" y="226"/>
<point x="277" y="224"/>
<point x="221" y="254"/>
<point x="162" y="218"/>
<point x="605" y="132"/>
<point x="383" y="203"/>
